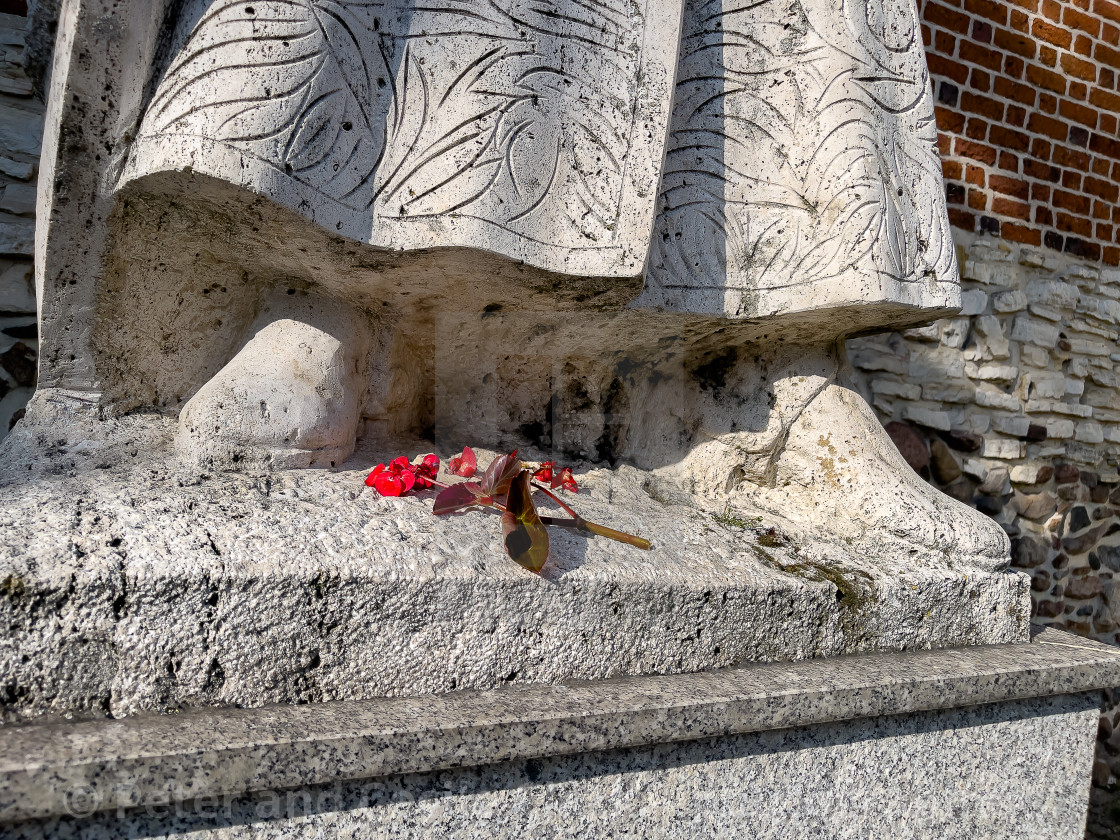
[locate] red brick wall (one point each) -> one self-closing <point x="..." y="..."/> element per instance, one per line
<point x="1027" y="108"/>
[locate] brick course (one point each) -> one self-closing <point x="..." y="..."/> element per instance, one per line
<point x="1026" y="109"/>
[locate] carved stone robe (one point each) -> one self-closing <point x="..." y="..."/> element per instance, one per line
<point x="749" y="157"/>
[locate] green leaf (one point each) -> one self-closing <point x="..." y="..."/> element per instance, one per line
<point x="526" y="538"/>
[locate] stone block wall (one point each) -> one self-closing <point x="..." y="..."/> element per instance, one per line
<point x="21" y="133"/>
<point x="1028" y="119"/>
<point x="1013" y="407"/>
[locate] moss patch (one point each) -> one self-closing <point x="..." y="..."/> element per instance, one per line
<point x="12" y="587"/>
<point x="855" y="590"/>
<point x="730" y="520"/>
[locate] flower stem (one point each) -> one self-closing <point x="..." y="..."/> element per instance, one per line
<point x="556" y="499"/>
<point x="581" y="524"/>
<point x="620" y="536"/>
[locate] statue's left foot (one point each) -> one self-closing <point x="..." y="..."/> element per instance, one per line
<point x="290" y="398"/>
<point x="839" y="473"/>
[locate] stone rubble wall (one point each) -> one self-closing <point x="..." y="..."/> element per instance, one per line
<point x="1013" y="407"/>
<point x="21" y="133"/>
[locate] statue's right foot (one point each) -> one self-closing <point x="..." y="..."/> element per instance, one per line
<point x="291" y="396"/>
<point x="786" y="436"/>
<point x="839" y="473"/>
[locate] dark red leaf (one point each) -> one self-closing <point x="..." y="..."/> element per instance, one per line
<point x="526" y="538"/>
<point x="502" y="470"/>
<point x="453" y="498"/>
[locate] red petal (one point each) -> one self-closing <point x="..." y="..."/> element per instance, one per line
<point x="407" y="480"/>
<point x="401" y="463"/>
<point x="430" y="464"/>
<point x="387" y="484"/>
<point x="469" y="458"/>
<point x="565" y="479"/>
<point x="465" y="464"/>
<point x="374" y="473"/>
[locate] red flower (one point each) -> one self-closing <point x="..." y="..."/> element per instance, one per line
<point x="400" y="476"/>
<point x="396" y="479"/>
<point x="548" y="474"/>
<point x="565" y="479"/>
<point x="425" y="471"/>
<point x="465" y="464"/>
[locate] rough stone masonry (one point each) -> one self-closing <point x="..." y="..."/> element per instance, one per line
<point x="21" y="121"/>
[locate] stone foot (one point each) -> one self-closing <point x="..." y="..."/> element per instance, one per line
<point x="838" y="472"/>
<point x="290" y="398"/>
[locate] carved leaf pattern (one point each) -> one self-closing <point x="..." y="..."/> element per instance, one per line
<point x="502" y="110"/>
<point x="802" y="146"/>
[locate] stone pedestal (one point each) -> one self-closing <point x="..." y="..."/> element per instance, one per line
<point x="990" y="742"/>
<point x="134" y="583"/>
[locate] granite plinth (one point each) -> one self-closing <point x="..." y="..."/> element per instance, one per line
<point x="1012" y="771"/>
<point x="223" y="751"/>
<point x="131" y="583"/>
<point x="987" y="741"/>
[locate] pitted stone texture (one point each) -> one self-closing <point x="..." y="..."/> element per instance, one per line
<point x="801" y="171"/>
<point x="132" y="585"/>
<point x="291" y="397"/>
<point x="830" y="474"/>
<point x="1011" y="770"/>
<point x="533" y="131"/>
<point x="427" y="164"/>
<point x="539" y="133"/>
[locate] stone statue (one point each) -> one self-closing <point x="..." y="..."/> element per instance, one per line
<point x="281" y="234"/>
<point x="632" y="230"/>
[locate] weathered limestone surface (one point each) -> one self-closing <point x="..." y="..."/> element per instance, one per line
<point x="309" y="400"/>
<point x="800" y="169"/>
<point x="631" y="234"/>
<point x="130" y="583"/>
<point x="21" y="128"/>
